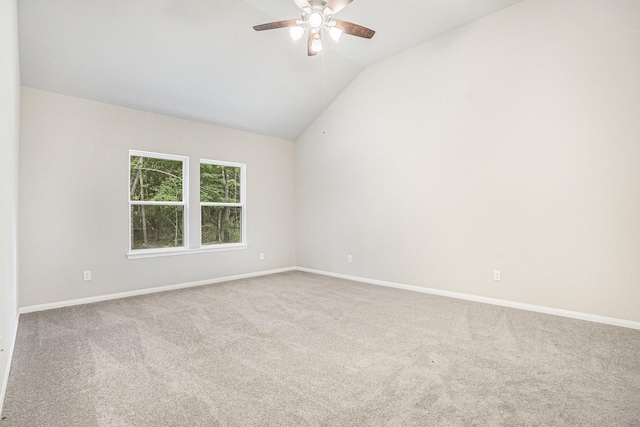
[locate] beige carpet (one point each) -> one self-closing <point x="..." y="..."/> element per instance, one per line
<point x="297" y="349"/>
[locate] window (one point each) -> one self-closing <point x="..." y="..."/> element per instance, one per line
<point x="160" y="211"/>
<point x="157" y="200"/>
<point x="222" y="202"/>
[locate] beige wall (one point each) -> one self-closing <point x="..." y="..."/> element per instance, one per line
<point x="9" y="137"/>
<point x="74" y="201"/>
<point x="509" y="144"/>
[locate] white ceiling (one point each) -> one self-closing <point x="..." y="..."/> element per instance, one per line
<point x="202" y="60"/>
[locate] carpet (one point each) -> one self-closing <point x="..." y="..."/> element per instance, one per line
<point x="298" y="349"/>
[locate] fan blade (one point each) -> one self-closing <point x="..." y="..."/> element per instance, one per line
<point x="309" y="51"/>
<point x="337" y="5"/>
<point x="302" y="4"/>
<point x="278" y="24"/>
<point x="354" y="29"/>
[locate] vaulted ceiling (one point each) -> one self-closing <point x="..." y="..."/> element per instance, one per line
<point x="202" y="60"/>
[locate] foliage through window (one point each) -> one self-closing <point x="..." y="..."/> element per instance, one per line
<point x="157" y="199"/>
<point x="222" y="202"/>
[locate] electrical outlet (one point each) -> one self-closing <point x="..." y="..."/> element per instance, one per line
<point x="261" y="256"/>
<point x="87" y="275"/>
<point x="497" y="275"/>
<point x="349" y="258"/>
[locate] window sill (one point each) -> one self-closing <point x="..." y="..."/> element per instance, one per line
<point x="154" y="253"/>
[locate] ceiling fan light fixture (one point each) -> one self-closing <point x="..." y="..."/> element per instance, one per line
<point x="335" y="33"/>
<point x="316" y="44"/>
<point x="296" y="32"/>
<point x="315" y="20"/>
<point x="316" y="17"/>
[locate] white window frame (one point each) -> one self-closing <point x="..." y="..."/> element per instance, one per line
<point x="243" y="205"/>
<point x="186" y="248"/>
<point x="145" y="253"/>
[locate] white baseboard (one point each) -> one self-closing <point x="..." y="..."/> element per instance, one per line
<point x="505" y="303"/>
<point x="89" y="300"/>
<point x="7" y="368"/>
<point x="494" y="301"/>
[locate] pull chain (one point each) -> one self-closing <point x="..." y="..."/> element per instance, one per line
<point x="323" y="55"/>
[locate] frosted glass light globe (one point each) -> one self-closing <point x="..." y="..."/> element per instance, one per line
<point x="315" y="20"/>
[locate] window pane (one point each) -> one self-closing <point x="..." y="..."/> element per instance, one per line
<point x="156" y="226"/>
<point x="219" y="183"/>
<point x="155" y="179"/>
<point x="221" y="224"/>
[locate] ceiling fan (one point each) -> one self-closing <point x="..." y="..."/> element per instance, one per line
<point x="317" y="16"/>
